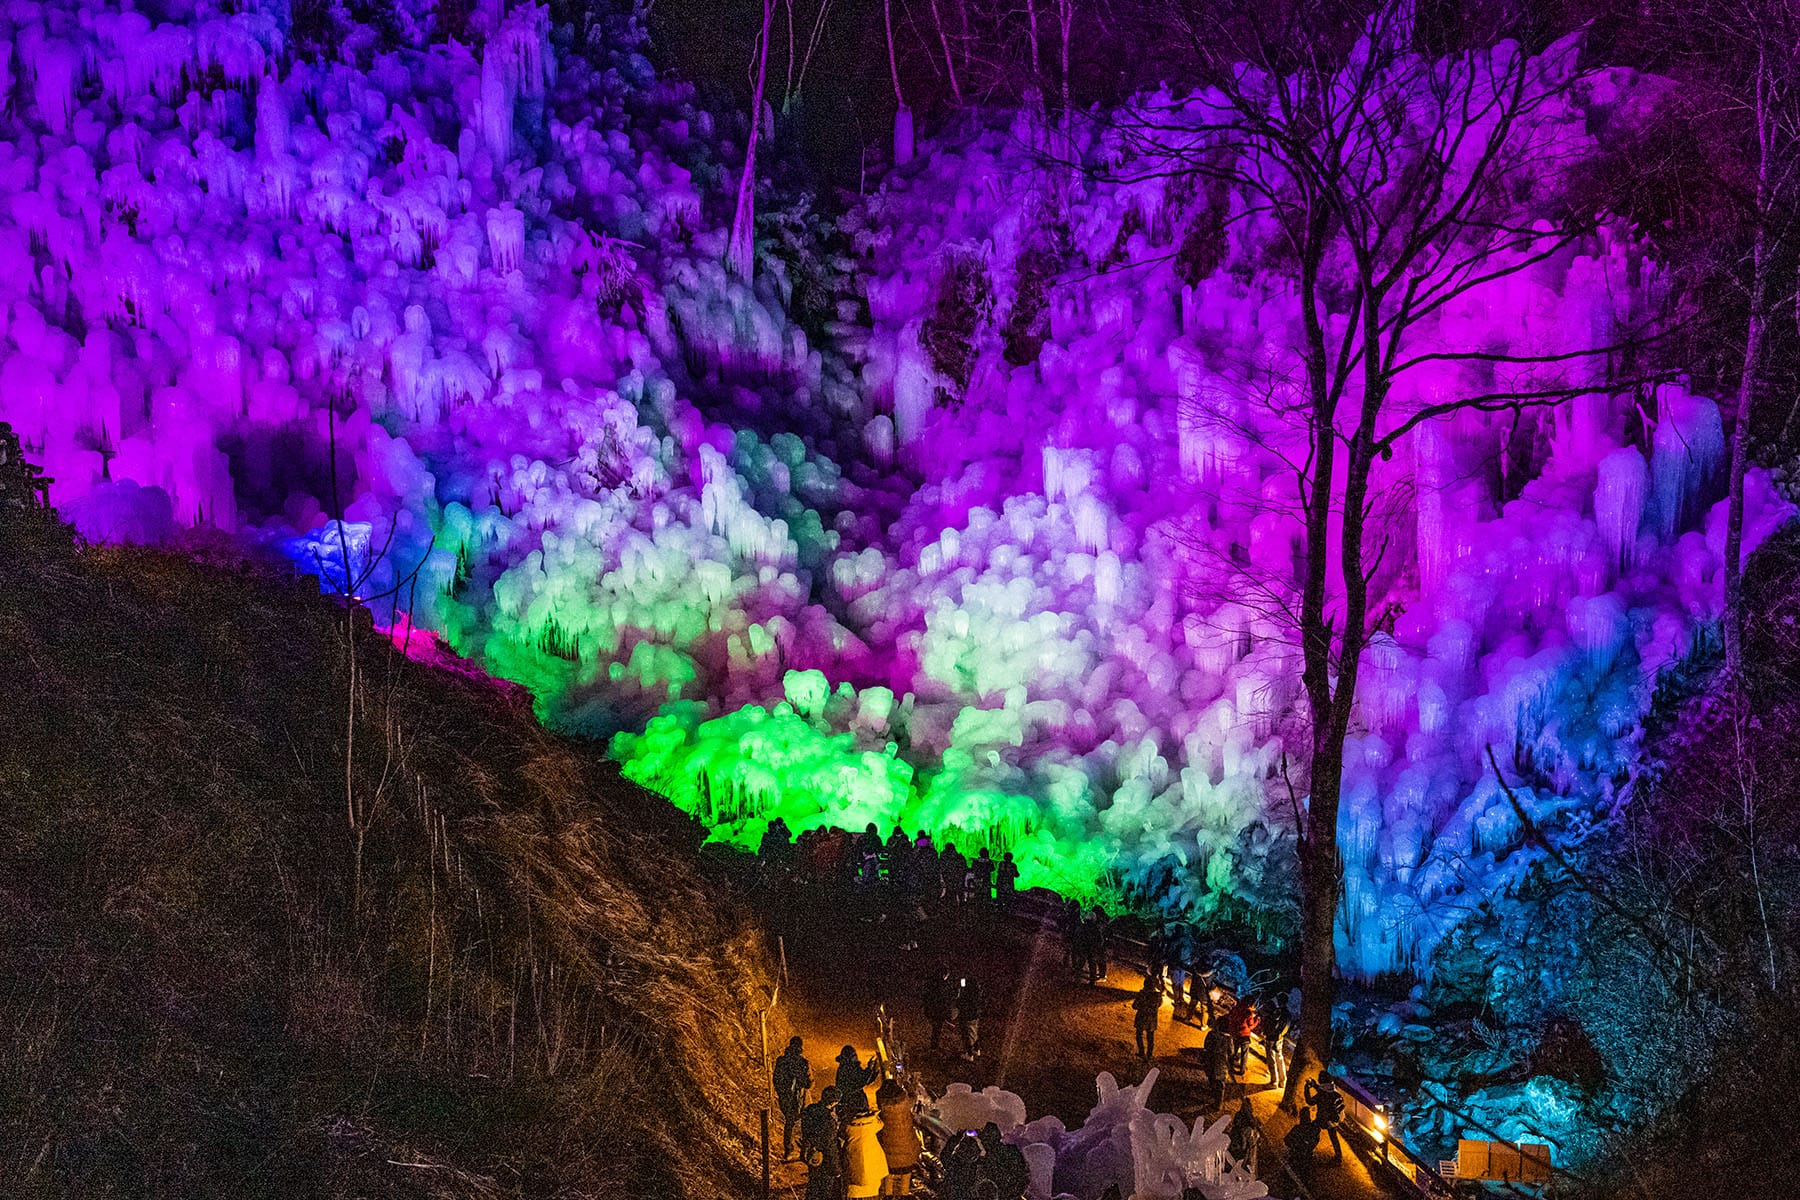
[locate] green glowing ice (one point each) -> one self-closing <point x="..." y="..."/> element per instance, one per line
<point x="739" y="771"/>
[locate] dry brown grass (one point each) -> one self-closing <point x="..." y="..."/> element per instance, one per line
<point x="536" y="996"/>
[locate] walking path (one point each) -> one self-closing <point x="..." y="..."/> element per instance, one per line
<point x="1047" y="1033"/>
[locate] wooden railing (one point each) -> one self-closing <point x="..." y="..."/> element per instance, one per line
<point x="1366" y="1118"/>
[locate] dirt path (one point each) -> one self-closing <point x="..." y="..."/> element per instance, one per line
<point x="1047" y="1034"/>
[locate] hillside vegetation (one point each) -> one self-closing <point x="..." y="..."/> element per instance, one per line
<point x="534" y="996"/>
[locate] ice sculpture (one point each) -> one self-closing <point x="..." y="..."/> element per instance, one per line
<point x="1122" y="1143"/>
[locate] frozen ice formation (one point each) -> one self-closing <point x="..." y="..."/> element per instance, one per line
<point x="448" y="322"/>
<point x="1148" y="1155"/>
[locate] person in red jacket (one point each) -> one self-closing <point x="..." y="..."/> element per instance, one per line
<point x="1242" y="1023"/>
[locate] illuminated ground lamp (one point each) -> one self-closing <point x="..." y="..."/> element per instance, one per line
<point x="1378" y="1130"/>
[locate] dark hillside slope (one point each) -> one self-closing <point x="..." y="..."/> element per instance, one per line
<point x="535" y="997"/>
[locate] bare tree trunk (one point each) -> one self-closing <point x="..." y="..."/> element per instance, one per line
<point x="1740" y="455"/>
<point x="787" y="93"/>
<point x="1787" y="426"/>
<point x="1031" y="16"/>
<point x="1065" y="10"/>
<point x="740" y="255"/>
<point x="937" y="19"/>
<point x="806" y="58"/>
<point x="351" y="813"/>
<point x="903" y="121"/>
<point x="1318" y="853"/>
<point x="1740" y="431"/>
<point x="1034" y="91"/>
<point x="1748" y="802"/>
<point x="1320" y="873"/>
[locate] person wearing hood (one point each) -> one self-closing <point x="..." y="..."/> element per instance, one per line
<point x="852" y="1074"/>
<point x="899" y="1137"/>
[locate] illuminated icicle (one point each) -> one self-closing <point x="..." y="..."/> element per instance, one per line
<point x="1621" y="489"/>
<point x="1689" y="443"/>
<point x="506" y="237"/>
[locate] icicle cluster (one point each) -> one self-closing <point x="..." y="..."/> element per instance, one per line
<point x="1017" y="572"/>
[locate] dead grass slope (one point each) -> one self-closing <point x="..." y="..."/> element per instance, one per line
<point x="532" y="994"/>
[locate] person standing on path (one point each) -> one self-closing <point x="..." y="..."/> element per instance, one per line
<point x="1246" y="1134"/>
<point x="899" y="1138"/>
<point x="1147" y="1008"/>
<point x="1176" y="939"/>
<point x="1242" y="1023"/>
<point x="968" y="1017"/>
<point x="1003" y="1165"/>
<point x="819" y="1148"/>
<point x="894" y="858"/>
<point x="1217" y="1050"/>
<point x="1006" y="882"/>
<point x="792" y="1078"/>
<point x="953" y="868"/>
<point x="981" y="878"/>
<point x="1156" y="951"/>
<point x="940" y="1004"/>
<point x="1302" y="1143"/>
<point x="868" y="857"/>
<point x="1102" y="944"/>
<point x="922" y="870"/>
<point x="1069" y="921"/>
<point x="853" y="1077"/>
<point x="1274" y="1032"/>
<point x="1087" y="949"/>
<point x="961" y="1169"/>
<point x="1323" y="1095"/>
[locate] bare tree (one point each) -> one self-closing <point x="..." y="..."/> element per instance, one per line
<point x="1741" y="67"/>
<point x="740" y="253"/>
<point x="903" y="118"/>
<point x="937" y="19"/>
<point x="353" y="584"/>
<point x="791" y="93"/>
<point x="1065" y="15"/>
<point x="1400" y="184"/>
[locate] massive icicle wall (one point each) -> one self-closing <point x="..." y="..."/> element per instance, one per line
<point x="1541" y="566"/>
<point x="484" y="285"/>
<point x="468" y="280"/>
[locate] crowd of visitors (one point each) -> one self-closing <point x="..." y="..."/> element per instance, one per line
<point x="905" y="882"/>
<point x="850" y="1149"/>
<point x="913" y="872"/>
